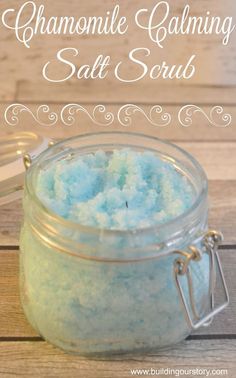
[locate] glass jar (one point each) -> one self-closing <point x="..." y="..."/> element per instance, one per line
<point x="97" y="291"/>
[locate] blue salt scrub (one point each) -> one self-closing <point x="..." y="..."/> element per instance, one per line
<point x="100" y="290"/>
<point x="122" y="190"/>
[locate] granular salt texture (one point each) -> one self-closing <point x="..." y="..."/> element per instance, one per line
<point x="87" y="305"/>
<point x="122" y="190"/>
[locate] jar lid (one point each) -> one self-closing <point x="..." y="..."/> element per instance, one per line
<point x="12" y="170"/>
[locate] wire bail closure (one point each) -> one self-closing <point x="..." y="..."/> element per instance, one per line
<point x="28" y="158"/>
<point x="211" y="241"/>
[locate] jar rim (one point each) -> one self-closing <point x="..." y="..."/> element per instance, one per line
<point x="96" y="230"/>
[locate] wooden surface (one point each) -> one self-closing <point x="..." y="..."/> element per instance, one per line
<point x="45" y="361"/>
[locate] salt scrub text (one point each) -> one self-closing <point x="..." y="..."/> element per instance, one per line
<point x="30" y="20"/>
<point x="100" y="68"/>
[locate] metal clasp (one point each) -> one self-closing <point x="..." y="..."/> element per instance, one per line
<point x="211" y="241"/>
<point x="28" y="159"/>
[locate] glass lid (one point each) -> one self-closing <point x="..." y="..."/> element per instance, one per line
<point x="12" y="149"/>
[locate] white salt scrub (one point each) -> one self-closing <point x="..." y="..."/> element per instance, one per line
<point x="122" y="190"/>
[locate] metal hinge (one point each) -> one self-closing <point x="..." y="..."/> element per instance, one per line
<point x="211" y="241"/>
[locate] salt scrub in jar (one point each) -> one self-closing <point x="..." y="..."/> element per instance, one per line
<point x="103" y="224"/>
<point x="121" y="190"/>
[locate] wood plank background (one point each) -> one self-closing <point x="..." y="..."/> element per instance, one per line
<point x="22" y="67"/>
<point x="22" y="351"/>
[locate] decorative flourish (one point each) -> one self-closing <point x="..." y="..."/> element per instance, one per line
<point x="69" y="111"/>
<point x="126" y="112"/>
<point x="100" y="116"/>
<point x="217" y="117"/>
<point x="13" y="112"/>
